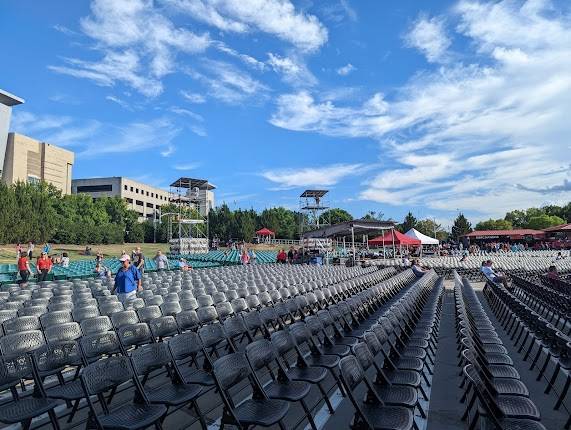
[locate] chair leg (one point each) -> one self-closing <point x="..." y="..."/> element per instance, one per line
<point x="199" y="414"/>
<point x="308" y="414"/>
<point x="326" y="399"/>
<point x="553" y="378"/>
<point x="563" y="392"/>
<point x="53" y="419"/>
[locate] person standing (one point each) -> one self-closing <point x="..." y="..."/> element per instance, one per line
<point x="24" y="268"/>
<point x="253" y="256"/>
<point x="44" y="267"/>
<point x="139" y="260"/>
<point x="19" y="250"/>
<point x="290" y="255"/>
<point x="30" y="250"/>
<point x="161" y="261"/>
<point x="245" y="258"/>
<point x="127" y="281"/>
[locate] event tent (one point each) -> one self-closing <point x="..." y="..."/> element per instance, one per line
<point x="265" y="232"/>
<point x="395" y="237"/>
<point x="424" y="239"/>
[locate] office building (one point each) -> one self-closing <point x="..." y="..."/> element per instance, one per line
<point x="143" y="199"/>
<point x="30" y="160"/>
<point x="7" y="101"/>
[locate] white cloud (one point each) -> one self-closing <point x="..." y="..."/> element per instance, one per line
<point x="293" y="70"/>
<point x="429" y="37"/>
<point x="186" y="112"/>
<point x="276" y="17"/>
<point x="228" y="83"/>
<point x="312" y="176"/>
<point x="345" y="70"/>
<point x="139" y="45"/>
<point x="246" y="59"/>
<point x="186" y="166"/>
<point x="193" y="97"/>
<point x="464" y="135"/>
<point x="93" y="138"/>
<point x="119" y="101"/>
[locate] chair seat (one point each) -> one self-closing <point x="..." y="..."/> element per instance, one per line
<point x="410" y="363"/>
<point x="520" y="424"/>
<point x="340" y="350"/>
<point x="24" y="409"/>
<point x="517" y="407"/>
<point x="308" y="374"/>
<point x="412" y="351"/>
<point x="491" y="348"/>
<point x="193" y="376"/>
<point x="349" y="341"/>
<point x="510" y="386"/>
<point x="70" y="391"/>
<point x="174" y="394"/>
<point x="417" y="343"/>
<point x="388" y="417"/>
<point x="503" y="371"/>
<point x="261" y="412"/>
<point x="132" y="417"/>
<point x="496" y="358"/>
<point x="328" y="361"/>
<point x="397" y="395"/>
<point x="404" y="377"/>
<point x="291" y="391"/>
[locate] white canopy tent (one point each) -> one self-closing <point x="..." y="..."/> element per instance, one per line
<point x="424" y="239"/>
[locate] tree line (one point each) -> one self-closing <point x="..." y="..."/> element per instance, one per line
<point x="40" y="213"/>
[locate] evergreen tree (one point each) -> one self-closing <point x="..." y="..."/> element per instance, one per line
<point x="461" y="227"/>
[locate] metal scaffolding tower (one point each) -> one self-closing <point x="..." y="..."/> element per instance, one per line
<point x="186" y="221"/>
<point x="312" y="205"/>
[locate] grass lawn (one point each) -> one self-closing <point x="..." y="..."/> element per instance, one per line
<point x="75" y="252"/>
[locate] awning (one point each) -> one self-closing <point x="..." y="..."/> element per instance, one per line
<point x="265" y="232"/>
<point x="424" y="239"/>
<point x="399" y="239"/>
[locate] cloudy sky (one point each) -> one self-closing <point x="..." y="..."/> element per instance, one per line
<point x="432" y="107"/>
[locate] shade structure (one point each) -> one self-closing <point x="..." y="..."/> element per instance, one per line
<point x="265" y="232"/>
<point x="399" y="239"/>
<point x="424" y="239"/>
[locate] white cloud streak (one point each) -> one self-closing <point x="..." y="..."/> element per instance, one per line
<point x="345" y="70"/>
<point x="311" y="176"/>
<point x="464" y="135"/>
<point x="276" y="17"/>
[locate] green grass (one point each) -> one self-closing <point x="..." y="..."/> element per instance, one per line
<point x="76" y="252"/>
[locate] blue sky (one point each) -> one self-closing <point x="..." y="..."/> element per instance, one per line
<point x="393" y="106"/>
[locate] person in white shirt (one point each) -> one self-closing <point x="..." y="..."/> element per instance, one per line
<point x="64" y="260"/>
<point x="418" y="270"/>
<point x="492" y="275"/>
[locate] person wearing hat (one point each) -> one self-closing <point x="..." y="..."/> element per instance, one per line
<point x="127" y="281"/>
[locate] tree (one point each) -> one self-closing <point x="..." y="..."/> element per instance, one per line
<point x="374" y="216"/>
<point x="461" y="227"/>
<point x="494" y="224"/>
<point x="409" y="222"/>
<point x="429" y="227"/>
<point x="335" y="216"/>
<point x="517" y="218"/>
<point x="543" y="221"/>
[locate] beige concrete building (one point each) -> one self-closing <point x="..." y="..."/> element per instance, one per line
<point x="30" y="160"/>
<point x="143" y="199"/>
<point x="7" y="101"/>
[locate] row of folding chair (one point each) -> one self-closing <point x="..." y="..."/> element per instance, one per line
<point x="395" y="350"/>
<point x="102" y="341"/>
<point x="553" y="305"/>
<point x="534" y="337"/>
<point x="493" y="390"/>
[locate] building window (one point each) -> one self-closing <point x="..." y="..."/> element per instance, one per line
<point x="130" y="201"/>
<point x="152" y="194"/>
<point x="125" y="187"/>
<point x="94" y="188"/>
<point x="131" y="189"/>
<point x="33" y="179"/>
<point x="139" y="202"/>
<point x="140" y="214"/>
<point x="150" y="205"/>
<point x="147" y="194"/>
<point x="137" y="190"/>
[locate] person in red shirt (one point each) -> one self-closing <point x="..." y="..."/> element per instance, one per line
<point x="24" y="268"/>
<point x="282" y="257"/>
<point x="44" y="267"/>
